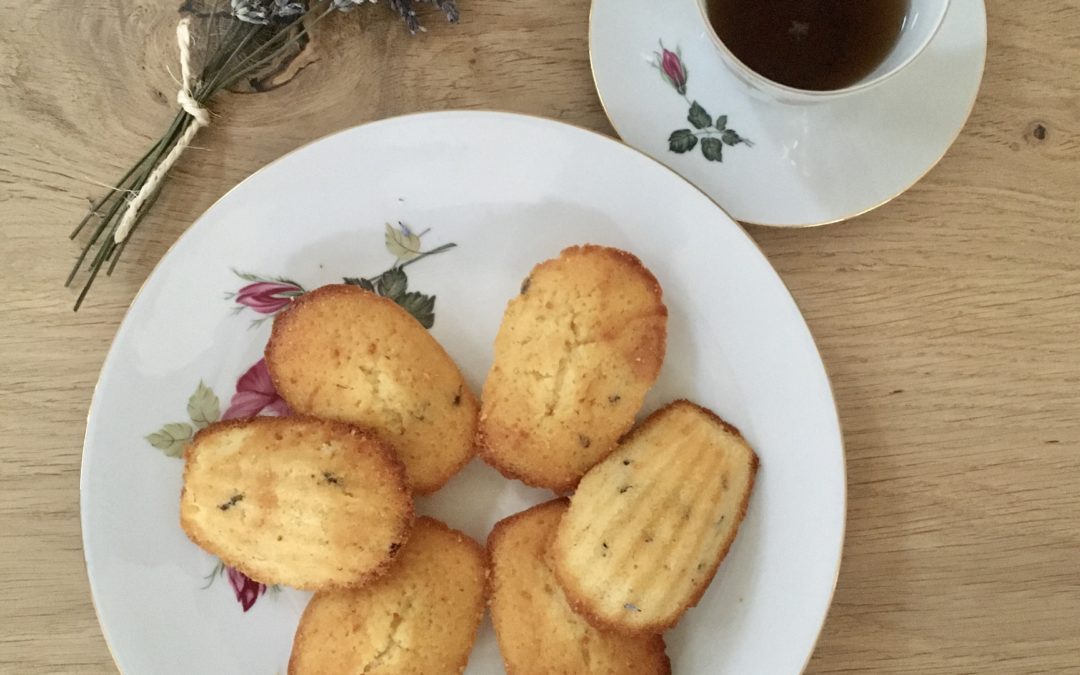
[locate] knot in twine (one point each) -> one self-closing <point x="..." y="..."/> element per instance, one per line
<point x="200" y="117"/>
<point x="193" y="108"/>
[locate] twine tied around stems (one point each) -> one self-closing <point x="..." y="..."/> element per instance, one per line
<point x="200" y="117"/>
<point x="269" y="30"/>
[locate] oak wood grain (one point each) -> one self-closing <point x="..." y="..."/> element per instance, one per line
<point x="949" y="319"/>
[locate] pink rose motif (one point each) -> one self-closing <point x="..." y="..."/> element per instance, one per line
<point x="247" y="590"/>
<point x="255" y="393"/>
<point x="671" y="68"/>
<point x="268" y="297"/>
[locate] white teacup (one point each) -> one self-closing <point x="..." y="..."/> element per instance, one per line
<point x="921" y="22"/>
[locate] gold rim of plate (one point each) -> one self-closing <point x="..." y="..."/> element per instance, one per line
<point x="187" y="231"/>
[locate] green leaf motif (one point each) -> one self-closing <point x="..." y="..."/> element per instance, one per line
<point x="248" y="276"/>
<point x="682" y="140"/>
<point x="421" y="306"/>
<point x="713" y="149"/>
<point x="172" y="438"/>
<point x="731" y="138"/>
<point x="721" y="123"/>
<point x="393" y="283"/>
<point x="698" y="117"/>
<point x="361" y="282"/>
<point x="203" y="407"/>
<point x="219" y="569"/>
<point x="402" y="243"/>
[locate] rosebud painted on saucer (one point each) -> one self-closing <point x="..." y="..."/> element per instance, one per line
<point x="671" y="68"/>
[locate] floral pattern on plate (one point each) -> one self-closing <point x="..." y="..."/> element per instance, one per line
<point x="255" y="393"/>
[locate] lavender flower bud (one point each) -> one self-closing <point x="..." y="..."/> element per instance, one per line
<point x="408" y="14"/>
<point x="262" y="12"/>
<point x="289" y="9"/>
<point x="252" y="11"/>
<point x="347" y="5"/>
<point x="449" y="8"/>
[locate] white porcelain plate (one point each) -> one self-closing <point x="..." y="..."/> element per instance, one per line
<point x="804" y="164"/>
<point x="509" y="191"/>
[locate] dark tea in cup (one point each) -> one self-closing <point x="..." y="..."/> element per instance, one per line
<point x="817" y="45"/>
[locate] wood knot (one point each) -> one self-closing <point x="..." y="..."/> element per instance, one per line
<point x="1037" y="133"/>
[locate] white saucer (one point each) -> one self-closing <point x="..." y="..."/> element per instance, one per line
<point x="809" y="164"/>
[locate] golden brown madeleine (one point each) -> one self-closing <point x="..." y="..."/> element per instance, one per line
<point x="420" y="618"/>
<point x="648" y="526"/>
<point x="538" y="632"/>
<point x="575" y="354"/>
<point x="343" y="353"/>
<point x="296" y="501"/>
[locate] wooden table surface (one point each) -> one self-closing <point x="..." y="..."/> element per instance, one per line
<point x="949" y="319"/>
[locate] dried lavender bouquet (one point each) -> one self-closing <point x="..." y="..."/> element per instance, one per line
<point x="221" y="44"/>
